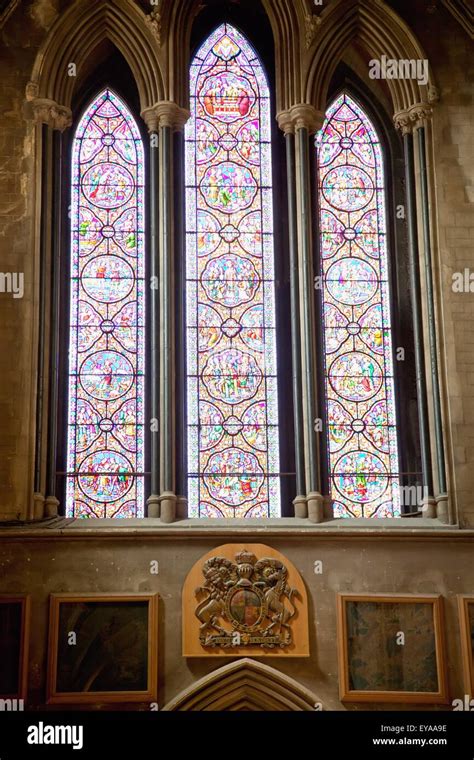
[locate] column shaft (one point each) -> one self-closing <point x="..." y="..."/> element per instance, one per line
<point x="420" y="368"/>
<point x="438" y="425"/>
<point x="167" y="368"/>
<point x="154" y="328"/>
<point x="307" y="305"/>
<point x="52" y="502"/>
<point x="295" y="317"/>
<point x="38" y="484"/>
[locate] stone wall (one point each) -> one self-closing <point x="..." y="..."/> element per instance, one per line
<point x="53" y="564"/>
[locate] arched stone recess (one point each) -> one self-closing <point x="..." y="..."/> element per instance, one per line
<point x="72" y="40"/>
<point x="378" y="30"/>
<point x="247" y="685"/>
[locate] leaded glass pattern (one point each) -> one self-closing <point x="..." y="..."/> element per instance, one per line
<point x="359" y="381"/>
<point x="105" y="458"/>
<point x="233" y="453"/>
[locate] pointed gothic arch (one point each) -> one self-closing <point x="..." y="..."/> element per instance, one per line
<point x="381" y="31"/>
<point x="245" y="684"/>
<point x="78" y="32"/>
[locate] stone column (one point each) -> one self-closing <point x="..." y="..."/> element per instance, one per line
<point x="442" y="497"/>
<point x="299" y="502"/>
<point x="407" y="122"/>
<point x="299" y="123"/>
<point x="153" y="384"/>
<point x="164" y="118"/>
<point x="53" y="120"/>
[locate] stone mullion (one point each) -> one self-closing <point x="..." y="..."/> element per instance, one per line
<point x="52" y="501"/>
<point x="51" y="120"/>
<point x="437" y="414"/>
<point x="167" y="329"/>
<point x="164" y="118"/>
<point x="307" y="305"/>
<point x="39" y="485"/>
<point x="415" y="286"/>
<point x="300" y="499"/>
<point x="153" y="384"/>
<point x="299" y="122"/>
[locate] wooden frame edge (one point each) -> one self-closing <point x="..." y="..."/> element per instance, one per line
<point x="23" y="662"/>
<point x="394" y="697"/>
<point x="150" y="695"/>
<point x="466" y="651"/>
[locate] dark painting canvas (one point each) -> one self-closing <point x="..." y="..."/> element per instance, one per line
<point x="110" y="652"/>
<point x="10" y="647"/>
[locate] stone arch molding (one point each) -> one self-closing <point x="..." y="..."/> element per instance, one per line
<point x="309" y="44"/>
<point x="73" y="38"/>
<point x="381" y="32"/>
<point x="246" y="684"/>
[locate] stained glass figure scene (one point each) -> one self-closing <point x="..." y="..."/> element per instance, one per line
<point x="233" y="454"/>
<point x="106" y="346"/>
<point x="359" y="382"/>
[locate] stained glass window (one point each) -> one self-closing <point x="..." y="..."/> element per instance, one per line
<point x="359" y="382"/>
<point x="233" y="455"/>
<point x="106" y="345"/>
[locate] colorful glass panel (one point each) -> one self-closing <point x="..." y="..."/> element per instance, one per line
<point x="359" y="383"/>
<point x="107" y="293"/>
<point x="233" y="456"/>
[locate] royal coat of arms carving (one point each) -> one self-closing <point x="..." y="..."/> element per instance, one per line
<point x="246" y="602"/>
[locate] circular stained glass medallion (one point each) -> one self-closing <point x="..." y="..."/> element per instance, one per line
<point x="233" y="476"/>
<point x="360" y="476"/>
<point x="108" y="479"/>
<point x="230" y="280"/>
<point x="228" y="187"/>
<point x="107" y="279"/>
<point x="351" y="281"/>
<point x="347" y="188"/>
<point x="231" y="376"/>
<point x="108" y="185"/>
<point x="355" y="376"/>
<point x="106" y="375"/>
<point x="227" y="97"/>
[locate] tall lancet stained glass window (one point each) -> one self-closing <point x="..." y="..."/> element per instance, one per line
<point x="106" y="345"/>
<point x="233" y="455"/>
<point x="359" y="382"/>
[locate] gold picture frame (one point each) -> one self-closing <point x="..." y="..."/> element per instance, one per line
<point x="98" y="642"/>
<point x="14" y="642"/>
<point x="466" y="624"/>
<point x="365" y="631"/>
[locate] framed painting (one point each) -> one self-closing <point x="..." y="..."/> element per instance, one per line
<point x="14" y="634"/>
<point x="391" y="648"/>
<point x="103" y="648"/>
<point x="466" y="622"/>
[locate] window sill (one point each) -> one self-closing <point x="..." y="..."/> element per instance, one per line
<point x="226" y="528"/>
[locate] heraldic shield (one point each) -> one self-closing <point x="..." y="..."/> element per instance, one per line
<point x="244" y="598"/>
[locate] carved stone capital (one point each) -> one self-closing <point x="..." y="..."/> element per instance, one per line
<point x="306" y="116"/>
<point x="420" y="113"/>
<point x="285" y="122"/>
<point x="412" y="118"/>
<point x="403" y="123"/>
<point x="165" y="114"/>
<point x="46" y="111"/>
<point x="300" y="116"/>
